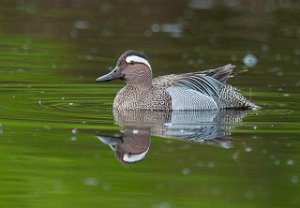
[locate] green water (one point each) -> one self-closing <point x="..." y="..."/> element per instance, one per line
<point x="51" y="109"/>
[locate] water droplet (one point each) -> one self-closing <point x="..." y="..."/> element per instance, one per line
<point x="185" y="171"/>
<point x="277" y="162"/>
<point x="216" y="190"/>
<point x="74" y="131"/>
<point x="81" y="24"/>
<point x="135" y="131"/>
<point x="147" y="33"/>
<point x="265" y="48"/>
<point x="89" y="57"/>
<point x="106" y="186"/>
<point x="155" y="28"/>
<point x="89" y="181"/>
<point x="294" y="179"/>
<point x="200" y="164"/>
<point x="290" y="162"/>
<point x="201" y="4"/>
<point x="47" y="127"/>
<point x="248" y="149"/>
<point x="250" y="60"/>
<point x="73" y="138"/>
<point x="71" y="104"/>
<point x="249" y="194"/>
<point x="297" y="51"/>
<point x="211" y="164"/>
<point x="162" y="205"/>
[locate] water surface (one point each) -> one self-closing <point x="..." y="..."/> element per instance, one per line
<point x="52" y="112"/>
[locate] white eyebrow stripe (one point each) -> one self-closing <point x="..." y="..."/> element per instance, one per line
<point x="138" y="60"/>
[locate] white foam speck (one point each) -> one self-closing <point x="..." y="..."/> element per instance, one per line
<point x="89" y="181"/>
<point x="74" y="131"/>
<point x="185" y="171"/>
<point x="135" y="131"/>
<point x="290" y="162"/>
<point x="248" y="149"/>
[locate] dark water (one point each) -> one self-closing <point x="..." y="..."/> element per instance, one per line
<point x="62" y="146"/>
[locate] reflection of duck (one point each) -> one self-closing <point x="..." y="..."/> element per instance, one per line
<point x="210" y="127"/>
<point x="205" y="90"/>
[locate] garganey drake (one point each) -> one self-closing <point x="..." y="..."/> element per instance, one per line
<point x="203" y="90"/>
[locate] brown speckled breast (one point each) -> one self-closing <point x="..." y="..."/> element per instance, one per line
<point x="131" y="98"/>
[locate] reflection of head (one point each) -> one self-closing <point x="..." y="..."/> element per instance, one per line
<point x="131" y="148"/>
<point x="129" y="157"/>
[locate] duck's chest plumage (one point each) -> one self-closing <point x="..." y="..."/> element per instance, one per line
<point x="142" y="99"/>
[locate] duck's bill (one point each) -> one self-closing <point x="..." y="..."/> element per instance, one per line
<point x="114" y="74"/>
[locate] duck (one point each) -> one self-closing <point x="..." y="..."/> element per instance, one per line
<point x="201" y="90"/>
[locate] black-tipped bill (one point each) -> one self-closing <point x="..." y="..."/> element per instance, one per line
<point x="114" y="74"/>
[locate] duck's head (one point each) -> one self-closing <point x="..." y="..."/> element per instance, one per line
<point x="132" y="67"/>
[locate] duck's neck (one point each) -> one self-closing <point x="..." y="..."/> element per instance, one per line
<point x="141" y="82"/>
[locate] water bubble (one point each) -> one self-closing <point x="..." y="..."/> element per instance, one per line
<point x="201" y="4"/>
<point x="74" y="34"/>
<point x="249" y="194"/>
<point x="185" y="171"/>
<point x="47" y="127"/>
<point x="233" y="58"/>
<point x="216" y="190"/>
<point x="89" y="181"/>
<point x="200" y="164"/>
<point x="248" y="149"/>
<point x="89" y="57"/>
<point x="277" y="162"/>
<point x="231" y="3"/>
<point x="250" y="60"/>
<point x="106" y="186"/>
<point x="294" y="179"/>
<point x="105" y="7"/>
<point x="74" y="131"/>
<point x="25" y="46"/>
<point x="155" y="28"/>
<point x="81" y="24"/>
<point x="297" y="51"/>
<point x="73" y="138"/>
<point x="162" y="205"/>
<point x="147" y="33"/>
<point x="211" y="164"/>
<point x="135" y="131"/>
<point x="264" y="48"/>
<point x="175" y="30"/>
<point x="290" y="162"/>
<point x="106" y="32"/>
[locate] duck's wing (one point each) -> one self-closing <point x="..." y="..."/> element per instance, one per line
<point x="207" y="82"/>
<point x="196" y="90"/>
